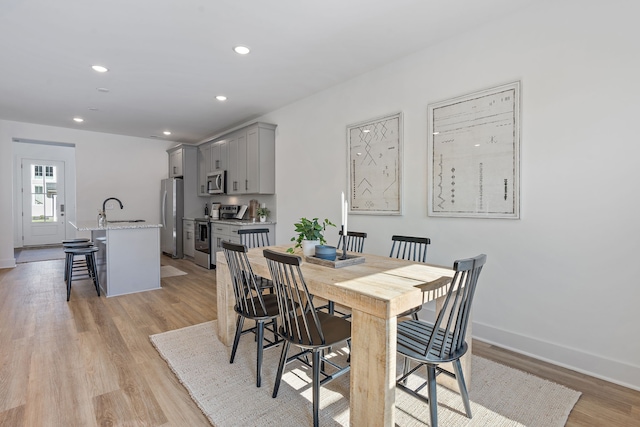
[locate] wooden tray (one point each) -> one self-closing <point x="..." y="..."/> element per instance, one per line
<point x="338" y="263"/>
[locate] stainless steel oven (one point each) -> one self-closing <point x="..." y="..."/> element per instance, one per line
<point x="202" y="254"/>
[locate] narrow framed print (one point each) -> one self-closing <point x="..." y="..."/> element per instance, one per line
<point x="374" y="152"/>
<point x="473" y="150"/>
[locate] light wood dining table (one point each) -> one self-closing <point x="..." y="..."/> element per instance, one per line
<point x="375" y="291"/>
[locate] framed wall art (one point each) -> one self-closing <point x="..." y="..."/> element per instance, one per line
<point x="474" y="154"/>
<point x="375" y="166"/>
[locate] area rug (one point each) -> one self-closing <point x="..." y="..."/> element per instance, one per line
<point x="227" y="395"/>
<point x="170" y="271"/>
<point x="44" y="253"/>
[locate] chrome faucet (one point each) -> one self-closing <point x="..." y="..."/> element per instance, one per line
<point x="104" y="207"/>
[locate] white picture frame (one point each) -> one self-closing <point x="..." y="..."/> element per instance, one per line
<point x="374" y="155"/>
<point x="473" y="154"/>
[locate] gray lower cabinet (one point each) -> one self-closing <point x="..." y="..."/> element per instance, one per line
<point x="222" y="230"/>
<point x="188" y="241"/>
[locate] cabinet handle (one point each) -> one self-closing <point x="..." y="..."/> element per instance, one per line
<point x="217" y="164"/>
<point x="246" y="184"/>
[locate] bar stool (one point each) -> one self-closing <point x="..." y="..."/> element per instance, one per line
<point x="75" y="243"/>
<point x="90" y="264"/>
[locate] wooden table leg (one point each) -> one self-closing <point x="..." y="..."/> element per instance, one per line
<point x="373" y="370"/>
<point x="225" y="302"/>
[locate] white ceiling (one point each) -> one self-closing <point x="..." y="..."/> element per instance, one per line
<point x="168" y="59"/>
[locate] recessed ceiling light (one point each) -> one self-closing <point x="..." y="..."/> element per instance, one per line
<point x="221" y="98"/>
<point x="100" y="68"/>
<point x="103" y="89"/>
<point x="241" y="50"/>
<point x="78" y="119"/>
<point x="166" y="132"/>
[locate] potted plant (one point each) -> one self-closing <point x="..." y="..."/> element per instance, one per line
<point x="310" y="234"/>
<point x="263" y="213"/>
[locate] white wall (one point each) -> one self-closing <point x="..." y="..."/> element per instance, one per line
<point x="558" y="283"/>
<point x="106" y="166"/>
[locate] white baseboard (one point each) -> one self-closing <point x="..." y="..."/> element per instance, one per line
<point x="594" y="365"/>
<point x="8" y="263"/>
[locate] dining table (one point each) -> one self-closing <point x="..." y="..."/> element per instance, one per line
<point x="375" y="291"/>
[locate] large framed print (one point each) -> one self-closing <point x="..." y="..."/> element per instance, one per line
<point x="375" y="166"/>
<point x="473" y="146"/>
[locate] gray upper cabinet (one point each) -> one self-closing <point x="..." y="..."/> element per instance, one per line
<point x="204" y="167"/>
<point x="252" y="160"/>
<point x="176" y="167"/>
<point x="219" y="155"/>
<point x="249" y="157"/>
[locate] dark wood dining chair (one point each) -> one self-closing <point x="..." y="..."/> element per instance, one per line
<point x="254" y="237"/>
<point x="302" y="325"/>
<point x="251" y="303"/>
<point x="431" y="344"/>
<point x="355" y="241"/>
<point x="413" y="249"/>
<point x="257" y="238"/>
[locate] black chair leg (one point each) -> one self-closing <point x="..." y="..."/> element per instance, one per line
<point x="260" y="334"/>
<point x="316" y="387"/>
<point x="236" y="339"/>
<point x="431" y="392"/>
<point x="283" y="361"/>
<point x="457" y="366"/>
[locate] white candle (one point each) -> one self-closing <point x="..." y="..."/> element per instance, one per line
<point x="342" y="207"/>
<point x="346" y="215"/>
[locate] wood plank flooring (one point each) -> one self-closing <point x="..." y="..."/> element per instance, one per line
<point x="89" y="361"/>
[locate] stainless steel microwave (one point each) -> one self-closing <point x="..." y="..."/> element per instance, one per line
<point x="217" y="182"/>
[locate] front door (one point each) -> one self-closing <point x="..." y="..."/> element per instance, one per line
<point x="43" y="204"/>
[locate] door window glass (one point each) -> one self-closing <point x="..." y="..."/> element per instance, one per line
<point x="43" y="194"/>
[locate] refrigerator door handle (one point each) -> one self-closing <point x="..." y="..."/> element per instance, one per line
<point x="164" y="207"/>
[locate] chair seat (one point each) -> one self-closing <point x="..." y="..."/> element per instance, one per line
<point x="270" y="304"/>
<point x="335" y="329"/>
<point x="413" y="337"/>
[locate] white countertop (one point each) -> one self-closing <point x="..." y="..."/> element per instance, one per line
<point x="93" y="225"/>
<point x="239" y="222"/>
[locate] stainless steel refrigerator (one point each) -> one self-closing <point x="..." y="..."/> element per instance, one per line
<point x="172" y="202"/>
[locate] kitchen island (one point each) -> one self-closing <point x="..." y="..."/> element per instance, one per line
<point x="128" y="259"/>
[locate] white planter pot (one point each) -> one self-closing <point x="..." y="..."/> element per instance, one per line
<point x="263" y="218"/>
<point x="309" y="247"/>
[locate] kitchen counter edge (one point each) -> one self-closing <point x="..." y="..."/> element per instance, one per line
<point x="92" y="225"/>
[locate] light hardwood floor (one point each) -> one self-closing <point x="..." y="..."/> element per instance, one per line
<point x="89" y="361"/>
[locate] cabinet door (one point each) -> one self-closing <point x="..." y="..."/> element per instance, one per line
<point x="175" y="163"/>
<point x="219" y="156"/>
<point x="253" y="162"/>
<point x="188" y="245"/>
<point x="242" y="163"/>
<point x="204" y="167"/>
<point x="232" y="171"/>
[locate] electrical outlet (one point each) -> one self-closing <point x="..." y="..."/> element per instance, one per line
<point x="109" y="205"/>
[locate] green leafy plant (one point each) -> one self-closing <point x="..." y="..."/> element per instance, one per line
<point x="309" y="230"/>
<point x="263" y="211"/>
